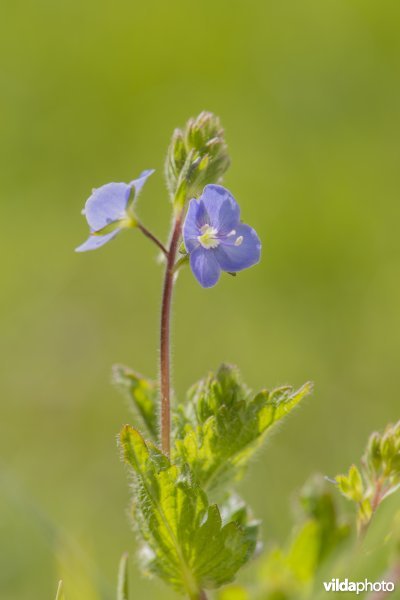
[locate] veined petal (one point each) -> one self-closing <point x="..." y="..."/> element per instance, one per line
<point x="140" y="181"/>
<point x="96" y="241"/>
<point x="107" y="204"/>
<point x="191" y="230"/>
<point x="222" y="208"/>
<point x="205" y="267"/>
<point x="240" y="251"/>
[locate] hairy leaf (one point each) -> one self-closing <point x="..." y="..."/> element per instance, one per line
<point x="187" y="543"/>
<point x="223" y="424"/>
<point x="142" y="394"/>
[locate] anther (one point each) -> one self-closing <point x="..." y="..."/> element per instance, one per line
<point x="239" y="240"/>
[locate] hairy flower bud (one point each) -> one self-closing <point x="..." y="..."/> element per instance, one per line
<point x="197" y="156"/>
<point x="373" y="456"/>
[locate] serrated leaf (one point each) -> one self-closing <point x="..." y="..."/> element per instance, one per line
<point x="224" y="424"/>
<point x="186" y="542"/>
<point x="142" y="394"/>
<point x="235" y="509"/>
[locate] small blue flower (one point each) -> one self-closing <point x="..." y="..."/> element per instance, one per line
<point x="215" y="238"/>
<point x="107" y="211"/>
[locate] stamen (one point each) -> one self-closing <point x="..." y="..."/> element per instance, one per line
<point x="239" y="240"/>
<point x="231" y="233"/>
<point x="208" y="238"/>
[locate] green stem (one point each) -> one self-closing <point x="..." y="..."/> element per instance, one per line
<point x="165" y="371"/>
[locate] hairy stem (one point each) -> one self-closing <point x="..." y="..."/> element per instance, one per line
<point x="377" y="496"/>
<point x="376" y="500"/>
<point x="165" y="371"/>
<point x="153" y="238"/>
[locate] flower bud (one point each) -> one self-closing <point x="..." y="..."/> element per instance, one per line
<point x="388" y="449"/>
<point x="196" y="157"/>
<point x="373" y="454"/>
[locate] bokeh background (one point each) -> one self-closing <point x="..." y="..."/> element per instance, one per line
<point x="309" y="94"/>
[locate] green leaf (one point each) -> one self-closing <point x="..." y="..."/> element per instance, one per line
<point x="304" y="552"/>
<point x="234" y="593"/>
<point x="123" y="584"/>
<point x="187" y="544"/>
<point x="235" y="509"/>
<point x="142" y="394"/>
<point x="378" y="476"/>
<point x="223" y="424"/>
<point x="373" y="456"/>
<point x="356" y="483"/>
<point x="316" y="501"/>
<point x="320" y="533"/>
<point x="60" y="591"/>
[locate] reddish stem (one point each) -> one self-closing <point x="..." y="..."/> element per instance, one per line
<point x="165" y="336"/>
<point x="377" y="496"/>
<point x="153" y="238"/>
<point x="375" y="502"/>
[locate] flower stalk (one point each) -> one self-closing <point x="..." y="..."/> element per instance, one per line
<point x="165" y="352"/>
<point x="153" y="238"/>
<point x="190" y="544"/>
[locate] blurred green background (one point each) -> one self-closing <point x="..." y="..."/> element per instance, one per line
<point x="309" y="94"/>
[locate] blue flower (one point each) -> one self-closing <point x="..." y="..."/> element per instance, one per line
<point x="215" y="238"/>
<point x="108" y="211"/>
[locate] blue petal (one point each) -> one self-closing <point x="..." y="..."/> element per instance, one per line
<point x="236" y="258"/>
<point x="205" y="267"/>
<point x="96" y="241"/>
<point x="107" y="204"/>
<point x="140" y="181"/>
<point x="191" y="230"/>
<point x="222" y="208"/>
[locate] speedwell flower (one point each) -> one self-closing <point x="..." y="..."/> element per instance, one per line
<point x="215" y="238"/>
<point x="109" y="210"/>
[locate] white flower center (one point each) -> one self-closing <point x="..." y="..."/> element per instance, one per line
<point x="208" y="237"/>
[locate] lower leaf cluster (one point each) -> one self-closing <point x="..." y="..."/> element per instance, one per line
<point x="187" y="543"/>
<point x="188" y="540"/>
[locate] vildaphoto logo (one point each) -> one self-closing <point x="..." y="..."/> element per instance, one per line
<point x="344" y="585"/>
